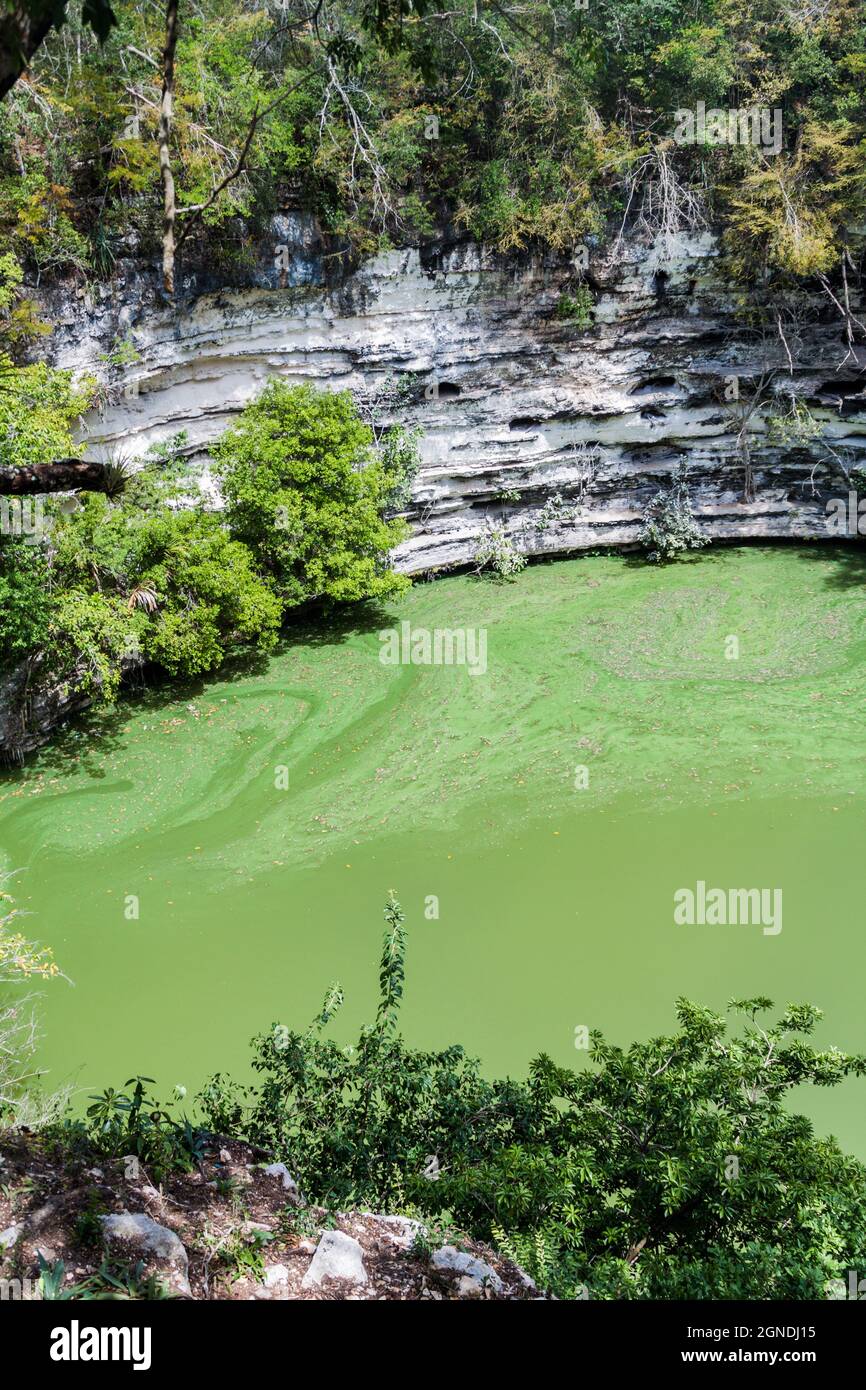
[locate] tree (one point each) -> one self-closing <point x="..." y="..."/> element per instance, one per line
<point x="25" y="24"/>
<point x="306" y="492"/>
<point x="164" y="135"/>
<point x="171" y="588"/>
<point x="63" y="475"/>
<point x="25" y="603"/>
<point x="200" y="591"/>
<point x="682" y="1172"/>
<point x="381" y="17"/>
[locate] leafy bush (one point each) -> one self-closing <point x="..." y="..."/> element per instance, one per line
<point x="668" y="1169"/>
<point x="496" y="553"/>
<point x="576" y="307"/>
<point x="25" y="603"/>
<point x="362" y="1124"/>
<point x="307" y="493"/>
<point x="206" y="595"/>
<point x="669" y="526"/>
<point x="88" y="637"/>
<point x="38" y="409"/>
<point x="135" y="1125"/>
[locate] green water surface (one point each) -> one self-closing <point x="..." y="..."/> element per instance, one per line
<point x="555" y="899"/>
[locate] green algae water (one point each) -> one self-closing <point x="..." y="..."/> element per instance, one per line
<point x="205" y="865"/>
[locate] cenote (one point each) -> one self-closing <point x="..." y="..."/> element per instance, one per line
<point x="618" y="747"/>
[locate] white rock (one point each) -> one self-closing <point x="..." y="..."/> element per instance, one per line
<point x="402" y="1230"/>
<point x="151" y="1242"/>
<point x="9" y="1236"/>
<point x="279" y="1170"/>
<point x="275" y="1284"/>
<point x="337" y="1256"/>
<point x="251" y="1228"/>
<point x="476" y="1275"/>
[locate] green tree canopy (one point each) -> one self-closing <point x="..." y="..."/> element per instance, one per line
<point x="306" y="492"/>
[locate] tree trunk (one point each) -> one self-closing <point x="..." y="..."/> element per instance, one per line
<point x="64" y="475"/>
<point x="165" y="114"/>
<point x="20" y="36"/>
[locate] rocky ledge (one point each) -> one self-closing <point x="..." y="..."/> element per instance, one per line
<point x="235" y="1228"/>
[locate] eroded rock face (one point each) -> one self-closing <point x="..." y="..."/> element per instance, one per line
<point x="518" y="405"/>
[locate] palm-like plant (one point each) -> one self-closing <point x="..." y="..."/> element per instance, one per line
<point x="143" y="596"/>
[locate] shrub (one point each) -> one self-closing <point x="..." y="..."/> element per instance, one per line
<point x="206" y="595"/>
<point x="497" y="554"/>
<point x="669" y="526"/>
<point x="307" y="493"/>
<point x="669" y="1169"/>
<point x="361" y="1124"/>
<point x="576" y="307"/>
<point x="175" y="588"/>
<point x="135" y="1125"/>
<point x="38" y="409"/>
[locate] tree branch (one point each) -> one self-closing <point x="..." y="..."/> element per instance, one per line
<point x="63" y="475"/>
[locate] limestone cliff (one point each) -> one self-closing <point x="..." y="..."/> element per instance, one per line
<point x="517" y="403"/>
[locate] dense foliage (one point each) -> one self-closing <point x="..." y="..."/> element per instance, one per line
<point x="101" y="584"/>
<point x="669" y="1169"/>
<point x="306" y="492"/>
<point x="535" y="123"/>
<point x="537" y="126"/>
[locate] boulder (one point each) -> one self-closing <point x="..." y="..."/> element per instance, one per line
<point x="137" y="1236"/>
<point x="337" y="1256"/>
<point x="279" y="1170"/>
<point x="476" y="1276"/>
<point x="9" y="1236"/>
<point x="275" y="1284"/>
<point x="401" y="1230"/>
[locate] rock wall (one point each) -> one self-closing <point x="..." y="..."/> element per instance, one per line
<point x="517" y="403"/>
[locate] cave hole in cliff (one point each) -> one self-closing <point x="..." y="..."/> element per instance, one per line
<point x="654" y="384"/>
<point x="851" y="395"/>
<point x="447" y="391"/>
<point x="524" y="422"/>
